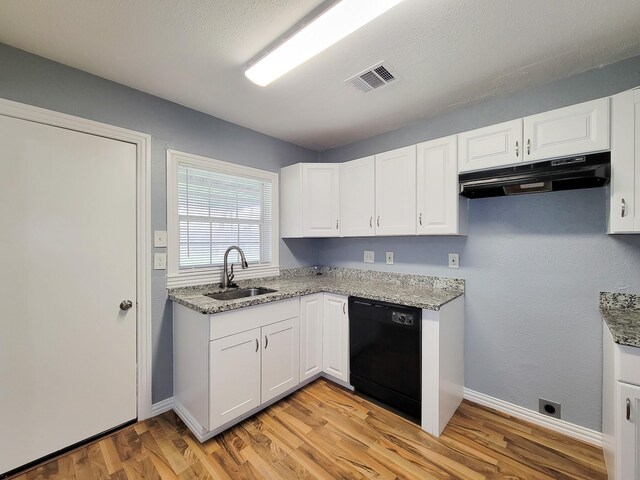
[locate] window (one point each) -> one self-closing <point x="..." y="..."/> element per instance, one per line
<point x="212" y="205"/>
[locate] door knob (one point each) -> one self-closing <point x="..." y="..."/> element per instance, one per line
<point x="126" y="305"/>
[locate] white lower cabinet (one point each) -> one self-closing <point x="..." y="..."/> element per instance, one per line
<point x="311" y="320"/>
<point x="229" y="365"/>
<point x="280" y="358"/>
<point x="335" y="337"/>
<point x="234" y="376"/>
<point x="620" y="409"/>
<point x="629" y="403"/>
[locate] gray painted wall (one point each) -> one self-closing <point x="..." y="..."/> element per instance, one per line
<point x="534" y="264"/>
<point x="36" y="81"/>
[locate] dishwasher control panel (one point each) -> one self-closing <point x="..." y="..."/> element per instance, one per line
<point x="402" y="318"/>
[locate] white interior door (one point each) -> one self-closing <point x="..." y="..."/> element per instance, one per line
<point x="68" y="257"/>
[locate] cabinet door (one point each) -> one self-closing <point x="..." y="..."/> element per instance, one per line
<point x="625" y="128"/>
<point x="396" y="192"/>
<point x="492" y="146"/>
<point x="567" y="131"/>
<point x="437" y="187"/>
<point x="234" y="376"/>
<point x="320" y="200"/>
<point x="335" y="337"/>
<point x="629" y="418"/>
<point x="311" y="309"/>
<point x="357" y="197"/>
<point x="280" y="358"/>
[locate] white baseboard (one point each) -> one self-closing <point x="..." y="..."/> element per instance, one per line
<point x="162" y="406"/>
<point x="587" y="435"/>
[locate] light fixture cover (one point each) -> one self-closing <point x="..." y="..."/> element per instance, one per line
<point x="330" y="27"/>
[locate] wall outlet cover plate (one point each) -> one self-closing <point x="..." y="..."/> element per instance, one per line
<point x="369" y="256"/>
<point x="454" y="260"/>
<point x="389" y="258"/>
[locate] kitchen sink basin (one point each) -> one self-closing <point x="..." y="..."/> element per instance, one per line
<point x="240" y="293"/>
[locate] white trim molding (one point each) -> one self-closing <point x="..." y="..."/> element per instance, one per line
<point x="162" y="406"/>
<point x="213" y="274"/>
<point x="572" y="430"/>
<point x="142" y="141"/>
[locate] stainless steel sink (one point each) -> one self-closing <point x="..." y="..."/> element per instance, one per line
<point x="240" y="293"/>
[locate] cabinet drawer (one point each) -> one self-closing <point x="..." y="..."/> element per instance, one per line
<point x="247" y="318"/>
<point x="629" y="364"/>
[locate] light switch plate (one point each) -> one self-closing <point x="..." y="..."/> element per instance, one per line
<point x="454" y="260"/>
<point x="368" y="256"/>
<point x="159" y="261"/>
<point x="389" y="258"/>
<point x="159" y="238"/>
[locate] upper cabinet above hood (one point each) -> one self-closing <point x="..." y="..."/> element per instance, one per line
<point x="566" y="133"/>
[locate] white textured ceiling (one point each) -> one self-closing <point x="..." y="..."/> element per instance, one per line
<point x="447" y="53"/>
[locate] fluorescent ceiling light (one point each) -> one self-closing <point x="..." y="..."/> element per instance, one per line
<point x="332" y="26"/>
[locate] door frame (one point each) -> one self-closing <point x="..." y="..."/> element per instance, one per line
<point x="142" y="141"/>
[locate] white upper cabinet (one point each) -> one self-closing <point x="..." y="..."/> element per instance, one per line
<point x="624" y="214"/>
<point x="310" y="201"/>
<point x="492" y="146"/>
<point x="438" y="202"/>
<point x="396" y="192"/>
<point x="357" y="197"/>
<point x="572" y="130"/>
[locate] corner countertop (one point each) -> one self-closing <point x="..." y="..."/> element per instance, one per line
<point x="621" y="313"/>
<point x="430" y="293"/>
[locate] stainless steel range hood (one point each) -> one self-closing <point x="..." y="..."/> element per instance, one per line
<point x="584" y="171"/>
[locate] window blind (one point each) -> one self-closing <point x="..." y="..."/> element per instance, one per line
<point x="217" y="210"/>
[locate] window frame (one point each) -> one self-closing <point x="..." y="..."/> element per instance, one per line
<point x="204" y="275"/>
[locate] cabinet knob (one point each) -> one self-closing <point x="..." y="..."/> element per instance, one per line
<point x="517" y="148"/>
<point x="266" y="342"/>
<point x="528" y="146"/>
<point x="336" y="224"/>
<point x="628" y="409"/>
<point x="344" y="308"/>
<point x="371" y="222"/>
<point x="257" y="345"/>
<point x="378" y="221"/>
<point x="420" y="218"/>
<point x="623" y="208"/>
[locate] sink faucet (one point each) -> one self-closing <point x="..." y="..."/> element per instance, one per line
<point x="226" y="276"/>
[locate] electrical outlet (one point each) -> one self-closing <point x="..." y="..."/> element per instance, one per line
<point x="389" y="258"/>
<point x="159" y="238"/>
<point x="549" y="408"/>
<point x="454" y="260"/>
<point x="159" y="261"/>
<point x="368" y="256"/>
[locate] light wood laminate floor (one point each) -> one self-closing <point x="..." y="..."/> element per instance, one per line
<point x="323" y="431"/>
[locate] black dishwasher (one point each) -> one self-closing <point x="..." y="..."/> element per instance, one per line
<point x="385" y="353"/>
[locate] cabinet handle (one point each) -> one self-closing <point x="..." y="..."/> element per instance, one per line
<point x="420" y="218"/>
<point x="623" y="209"/>
<point x="344" y="308"/>
<point x="266" y="342"/>
<point x="336" y="224"/>
<point x="528" y="146"/>
<point x="257" y="345"/>
<point x="371" y="222"/>
<point x="378" y="222"/>
<point x="628" y="409"/>
<point x="517" y="148"/>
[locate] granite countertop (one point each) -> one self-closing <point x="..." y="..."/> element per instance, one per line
<point x="430" y="293"/>
<point x="621" y="313"/>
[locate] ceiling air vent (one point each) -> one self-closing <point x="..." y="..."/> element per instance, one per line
<point x="372" y="78"/>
